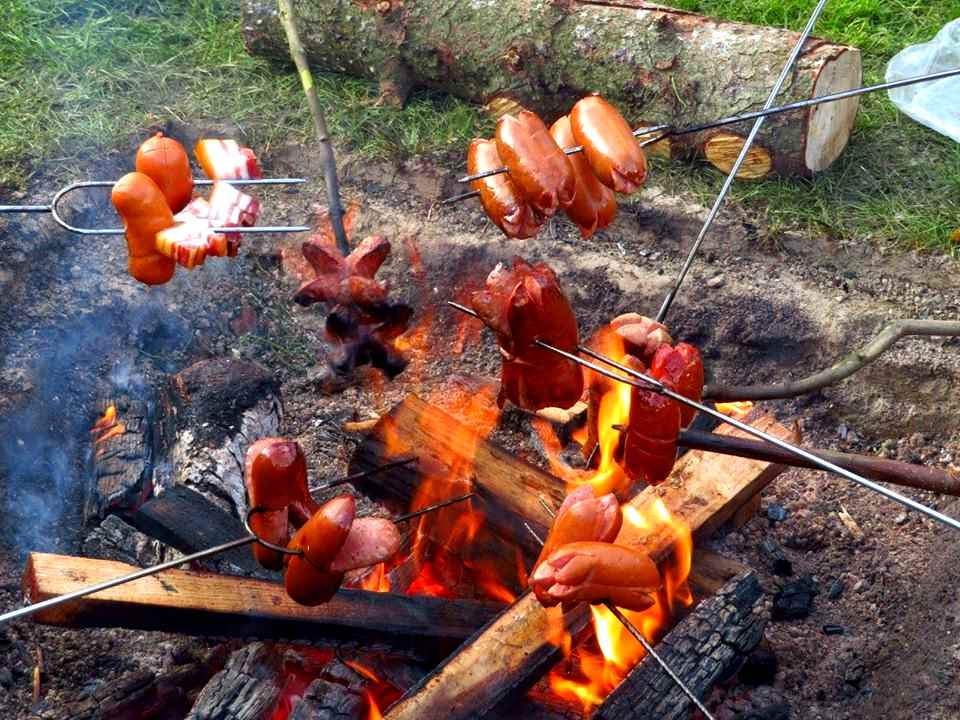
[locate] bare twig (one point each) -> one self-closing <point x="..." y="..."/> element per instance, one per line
<point x="841" y="370"/>
<point x="289" y="21"/>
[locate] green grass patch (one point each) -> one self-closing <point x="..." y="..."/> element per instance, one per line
<point x="79" y="76"/>
<point x="897" y="182"/>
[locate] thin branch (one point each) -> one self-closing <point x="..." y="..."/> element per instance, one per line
<point x="289" y="21"/>
<point x="841" y="370"/>
<point x="923" y="477"/>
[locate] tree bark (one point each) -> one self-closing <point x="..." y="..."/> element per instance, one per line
<point x="655" y="64"/>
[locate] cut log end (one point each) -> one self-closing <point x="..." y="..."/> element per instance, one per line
<point x="723" y="149"/>
<point x="829" y="125"/>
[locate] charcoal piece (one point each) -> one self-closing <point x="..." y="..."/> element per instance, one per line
<point x="780" y="711"/>
<point x="795" y="600"/>
<point x="760" y="667"/>
<point x="836" y="589"/>
<point x="776" y="513"/>
<point x="775" y="558"/>
<point x="833" y="630"/>
<point x="246" y="688"/>
<point x="328" y="701"/>
<point x="114" y="539"/>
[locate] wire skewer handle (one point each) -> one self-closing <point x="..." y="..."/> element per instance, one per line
<point x="53" y="207"/>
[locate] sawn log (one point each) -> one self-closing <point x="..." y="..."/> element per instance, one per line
<point x="655" y="64"/>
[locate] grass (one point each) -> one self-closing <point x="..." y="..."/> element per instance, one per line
<point x="77" y="76"/>
<point x="82" y="75"/>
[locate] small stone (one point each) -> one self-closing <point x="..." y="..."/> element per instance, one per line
<point x="795" y="600"/>
<point x="6" y="677"/>
<point x="860" y="586"/>
<point x="833" y="630"/>
<point x="900" y="519"/>
<point x="836" y="589"/>
<point x="776" y="513"/>
<point x="716" y="281"/>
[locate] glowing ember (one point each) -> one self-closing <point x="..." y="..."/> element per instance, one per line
<point x="379" y="694"/>
<point x="377" y="579"/>
<point x="736" y="410"/>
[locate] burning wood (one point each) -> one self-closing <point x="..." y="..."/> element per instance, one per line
<point x="703" y="492"/>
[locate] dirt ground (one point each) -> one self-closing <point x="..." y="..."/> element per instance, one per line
<point x="759" y="313"/>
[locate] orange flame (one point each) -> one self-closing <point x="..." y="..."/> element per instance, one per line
<point x="377" y="579"/>
<point x="107" y="426"/>
<point x="596" y="669"/>
<point x="737" y="410"/>
<point x="380" y="693"/>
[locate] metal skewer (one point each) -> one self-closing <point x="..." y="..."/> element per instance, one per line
<point x="52" y="208"/>
<point x="171" y="564"/>
<point x="632" y="629"/>
<point x="360" y="475"/>
<point x="732" y="175"/>
<point x="669" y="130"/>
<point x="645" y="382"/>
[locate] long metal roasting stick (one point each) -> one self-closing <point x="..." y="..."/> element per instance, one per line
<point x="669" y="130"/>
<point x="645" y="382"/>
<point x="55" y="213"/>
<point x="632" y="629"/>
<point x="171" y="564"/>
<point x="728" y="183"/>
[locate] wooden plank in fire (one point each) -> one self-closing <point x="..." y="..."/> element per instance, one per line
<point x="705" y="490"/>
<point x="186" y="601"/>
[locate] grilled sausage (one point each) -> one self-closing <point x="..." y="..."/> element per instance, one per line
<point x="608" y="142"/>
<point x="683" y="367"/>
<point x="499" y="195"/>
<point x="145" y="212"/>
<point x="165" y="162"/>
<point x="594" y="204"/>
<point x="650" y="447"/>
<point x="275" y="475"/>
<point x="596" y="572"/>
<point x="537" y="165"/>
<point x="370" y="541"/>
<point x="309" y="579"/>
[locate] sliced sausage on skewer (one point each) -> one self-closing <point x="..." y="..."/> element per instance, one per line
<point x="594" y="205"/>
<point x="499" y="196"/>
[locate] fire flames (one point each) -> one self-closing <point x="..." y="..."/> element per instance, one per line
<point x="594" y="669"/>
<point x="107" y="427"/>
<point x="591" y="671"/>
<point x="737" y="410"/>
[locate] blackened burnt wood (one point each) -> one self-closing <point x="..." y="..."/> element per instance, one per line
<point x="508" y="486"/>
<point x="185" y="601"/>
<point x="707" y="646"/>
<point x="122" y="457"/>
<point x="185" y="519"/>
<point x="704" y="490"/>
<point x="655" y="64"/>
<point x="214" y="410"/>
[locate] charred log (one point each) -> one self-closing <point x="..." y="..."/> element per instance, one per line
<point x="705" y="647"/>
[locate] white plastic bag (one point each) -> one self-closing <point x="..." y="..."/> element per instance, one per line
<point x="934" y="104"/>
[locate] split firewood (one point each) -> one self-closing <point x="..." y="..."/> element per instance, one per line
<point x="653" y="63"/>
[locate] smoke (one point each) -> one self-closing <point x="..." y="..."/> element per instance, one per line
<point x="46" y="442"/>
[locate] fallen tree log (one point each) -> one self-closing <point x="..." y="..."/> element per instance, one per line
<point x="704" y="490"/>
<point x="656" y="64"/>
<point x="186" y="601"/>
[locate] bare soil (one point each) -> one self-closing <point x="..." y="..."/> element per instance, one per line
<point x="760" y="310"/>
